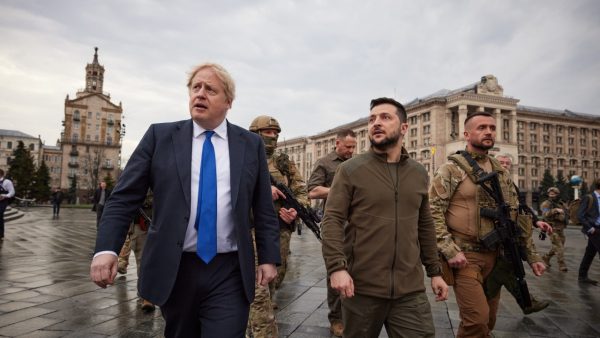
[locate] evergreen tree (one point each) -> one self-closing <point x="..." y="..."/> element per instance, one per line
<point x="109" y="181"/>
<point x="72" y="195"/>
<point x="562" y="185"/>
<point x="547" y="182"/>
<point x="22" y="170"/>
<point x="41" y="187"/>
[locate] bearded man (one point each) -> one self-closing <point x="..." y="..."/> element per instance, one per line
<point x="378" y="233"/>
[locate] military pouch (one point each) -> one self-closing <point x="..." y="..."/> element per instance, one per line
<point x="447" y="272"/>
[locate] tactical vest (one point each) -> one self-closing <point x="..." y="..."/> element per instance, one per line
<point x="281" y="170"/>
<point x="483" y="199"/>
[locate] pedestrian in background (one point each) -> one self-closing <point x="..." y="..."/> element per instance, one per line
<point x="56" y="199"/>
<point x="7" y="191"/>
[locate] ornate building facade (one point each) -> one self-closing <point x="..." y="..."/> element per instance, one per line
<point x="90" y="142"/>
<point x="9" y="140"/>
<point x="536" y="138"/>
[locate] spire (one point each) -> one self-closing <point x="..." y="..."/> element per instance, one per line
<point x="96" y="55"/>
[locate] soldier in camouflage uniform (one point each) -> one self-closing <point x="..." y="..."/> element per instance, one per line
<point x="456" y="201"/>
<point x="555" y="212"/>
<point x="136" y="239"/>
<point x="283" y="170"/>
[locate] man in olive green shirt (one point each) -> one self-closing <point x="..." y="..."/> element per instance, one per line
<point x="378" y="234"/>
<point x="318" y="188"/>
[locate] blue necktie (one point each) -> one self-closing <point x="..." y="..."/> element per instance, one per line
<point x="206" y="214"/>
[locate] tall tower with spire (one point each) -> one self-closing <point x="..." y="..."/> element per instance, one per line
<point x="94" y="75"/>
<point x="90" y="142"/>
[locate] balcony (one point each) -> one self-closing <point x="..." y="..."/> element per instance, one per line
<point x="108" y="167"/>
<point x="74" y="152"/>
<point x="71" y="175"/>
<point x="76" y="118"/>
<point x="110" y="122"/>
<point x="73" y="165"/>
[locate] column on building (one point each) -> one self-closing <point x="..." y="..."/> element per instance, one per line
<point x="499" y="124"/>
<point x="513" y="126"/>
<point x="462" y="116"/>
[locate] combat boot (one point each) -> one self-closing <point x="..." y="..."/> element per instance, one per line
<point x="536" y="305"/>
<point x="562" y="267"/>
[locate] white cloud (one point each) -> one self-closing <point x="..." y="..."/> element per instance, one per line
<point x="311" y="64"/>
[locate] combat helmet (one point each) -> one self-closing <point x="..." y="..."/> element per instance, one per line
<point x="554" y="190"/>
<point x="264" y="122"/>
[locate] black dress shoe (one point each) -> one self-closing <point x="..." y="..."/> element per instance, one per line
<point x="587" y="280"/>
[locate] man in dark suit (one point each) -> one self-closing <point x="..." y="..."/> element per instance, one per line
<point x="101" y="195"/>
<point x="589" y="216"/>
<point x="199" y="295"/>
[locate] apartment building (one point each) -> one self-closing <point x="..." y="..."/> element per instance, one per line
<point x="536" y="138"/>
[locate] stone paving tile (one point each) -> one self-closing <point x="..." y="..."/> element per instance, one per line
<point x="45" y="289"/>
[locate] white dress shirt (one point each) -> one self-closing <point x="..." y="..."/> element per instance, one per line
<point x="226" y="237"/>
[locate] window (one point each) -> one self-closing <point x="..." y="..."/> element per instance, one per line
<point x="583" y="152"/>
<point x="75" y="137"/>
<point x="571" y="151"/>
<point x="520" y="125"/>
<point x="534" y="184"/>
<point x="534" y="172"/>
<point x="426" y="129"/>
<point x="585" y="163"/>
<point x="31" y="146"/>
<point x="533" y="138"/>
<point x="426" y="141"/>
<point x="413" y="132"/>
<point x="520" y="137"/>
<point x="546" y="127"/>
<point x="573" y="163"/>
<point x="425" y="154"/>
<point x="595" y="143"/>
<point x="521" y="184"/>
<point x="506" y="123"/>
<point x="522" y="160"/>
<point x="546" y="150"/>
<point x="426" y="116"/>
<point x="97" y="138"/>
<point x="533" y="148"/>
<point x="9" y="145"/>
<point x="532" y="126"/>
<point x="560" y="162"/>
<point x="108" y="140"/>
<point x="97" y="116"/>
<point x="413" y="120"/>
<point x="506" y="135"/>
<point x="558" y="140"/>
<point x="413" y="143"/>
<point x="571" y="130"/>
<point x="571" y="141"/>
<point x="90" y="114"/>
<point x="521" y="171"/>
<point x="559" y="150"/>
<point x="413" y="155"/>
<point x="546" y="138"/>
<point x="559" y="129"/>
<point x="548" y="162"/>
<point x="582" y="142"/>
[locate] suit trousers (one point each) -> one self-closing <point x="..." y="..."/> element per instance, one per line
<point x="408" y="316"/>
<point x="593" y="248"/>
<point x="208" y="300"/>
<point x="477" y="313"/>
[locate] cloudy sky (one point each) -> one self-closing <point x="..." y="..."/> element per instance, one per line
<point x="312" y="64"/>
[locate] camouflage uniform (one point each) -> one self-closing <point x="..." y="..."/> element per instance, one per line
<point x="261" y="321"/>
<point x="284" y="171"/>
<point x="503" y="273"/>
<point x="450" y="204"/>
<point x="559" y="222"/>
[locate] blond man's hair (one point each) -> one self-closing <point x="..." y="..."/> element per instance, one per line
<point x="221" y="73"/>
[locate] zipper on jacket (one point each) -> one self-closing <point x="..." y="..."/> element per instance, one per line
<point x="395" y="187"/>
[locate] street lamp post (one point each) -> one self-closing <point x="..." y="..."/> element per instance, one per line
<point x="576" y="185"/>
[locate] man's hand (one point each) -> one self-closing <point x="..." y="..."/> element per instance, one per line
<point x="538" y="268"/>
<point x="288" y="215"/>
<point x="343" y="283"/>
<point x="544" y="227"/>
<point x="104" y="269"/>
<point x="459" y="261"/>
<point x="318" y="192"/>
<point x="276" y="193"/>
<point x="265" y="273"/>
<point x="440" y="288"/>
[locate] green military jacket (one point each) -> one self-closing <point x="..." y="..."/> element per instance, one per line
<point x="283" y="170"/>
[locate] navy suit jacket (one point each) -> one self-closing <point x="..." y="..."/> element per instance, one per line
<point x="587" y="216"/>
<point x="162" y="162"/>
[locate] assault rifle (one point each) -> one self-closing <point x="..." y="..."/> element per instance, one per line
<point x="307" y="215"/>
<point x="506" y="232"/>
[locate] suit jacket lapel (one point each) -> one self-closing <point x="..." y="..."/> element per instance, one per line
<point x="236" y="160"/>
<point x="182" y="148"/>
